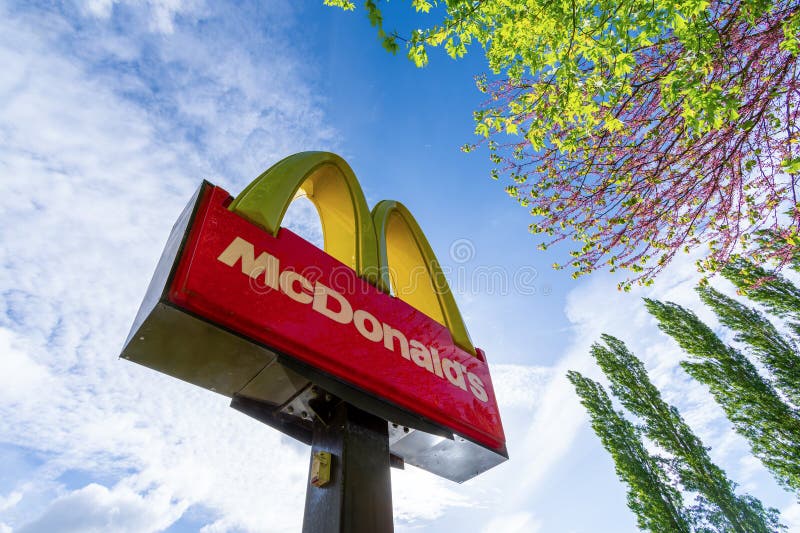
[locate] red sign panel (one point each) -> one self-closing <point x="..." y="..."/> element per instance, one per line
<point x="287" y="294"/>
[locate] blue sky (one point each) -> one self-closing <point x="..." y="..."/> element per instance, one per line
<point x="110" y="115"/>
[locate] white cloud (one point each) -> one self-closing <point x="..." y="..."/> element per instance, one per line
<point x="522" y="522"/>
<point x="20" y="376"/>
<point x="556" y="420"/>
<point x="7" y="502"/>
<point x="302" y="219"/>
<point x="519" y="386"/>
<point x="161" y="13"/>
<point x="95" y="508"/>
<point x="791" y="517"/>
<point x="93" y="178"/>
<point x="420" y="496"/>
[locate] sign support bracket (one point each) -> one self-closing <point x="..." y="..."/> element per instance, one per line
<point x="358" y="496"/>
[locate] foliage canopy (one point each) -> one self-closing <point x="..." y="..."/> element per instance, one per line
<point x="635" y="128"/>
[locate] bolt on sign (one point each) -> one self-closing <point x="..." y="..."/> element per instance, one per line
<point x="245" y="308"/>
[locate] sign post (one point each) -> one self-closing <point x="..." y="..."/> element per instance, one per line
<point x="358" y="350"/>
<point x="358" y="497"/>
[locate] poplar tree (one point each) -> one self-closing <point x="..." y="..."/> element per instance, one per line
<point x="657" y="505"/>
<point x="778" y="295"/>
<point x="719" y="508"/>
<point x="778" y="353"/>
<point x="760" y="408"/>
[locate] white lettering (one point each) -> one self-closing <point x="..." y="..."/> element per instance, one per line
<point x="421" y="355"/>
<point x="322" y="295"/>
<point x="242" y="250"/>
<point x="360" y="319"/>
<point x="289" y="279"/>
<point x="437" y="364"/>
<point x="389" y="334"/>
<point x="454" y="373"/>
<point x="477" y="388"/>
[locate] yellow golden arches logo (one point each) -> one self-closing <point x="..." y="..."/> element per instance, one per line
<point x="386" y="247"/>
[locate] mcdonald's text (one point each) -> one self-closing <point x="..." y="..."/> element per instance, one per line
<point x="335" y="306"/>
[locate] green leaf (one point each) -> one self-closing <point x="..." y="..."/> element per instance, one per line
<point x="791" y="166"/>
<point x="346" y="5"/>
<point x="421" y="5"/>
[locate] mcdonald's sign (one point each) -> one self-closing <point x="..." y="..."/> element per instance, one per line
<point x="245" y="308"/>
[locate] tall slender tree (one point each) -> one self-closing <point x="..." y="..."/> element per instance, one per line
<point x="777" y="294"/>
<point x="777" y="352"/>
<point x="760" y="413"/>
<point x="657" y="505"/>
<point x="719" y="506"/>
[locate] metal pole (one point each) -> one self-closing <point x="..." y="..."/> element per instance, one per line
<point x="358" y="497"/>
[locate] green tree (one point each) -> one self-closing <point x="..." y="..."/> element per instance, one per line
<point x="657" y="505"/>
<point x="778" y="353"/>
<point x="634" y="128"/>
<point x="778" y="295"/>
<point x="718" y="507"/>
<point x="764" y="410"/>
